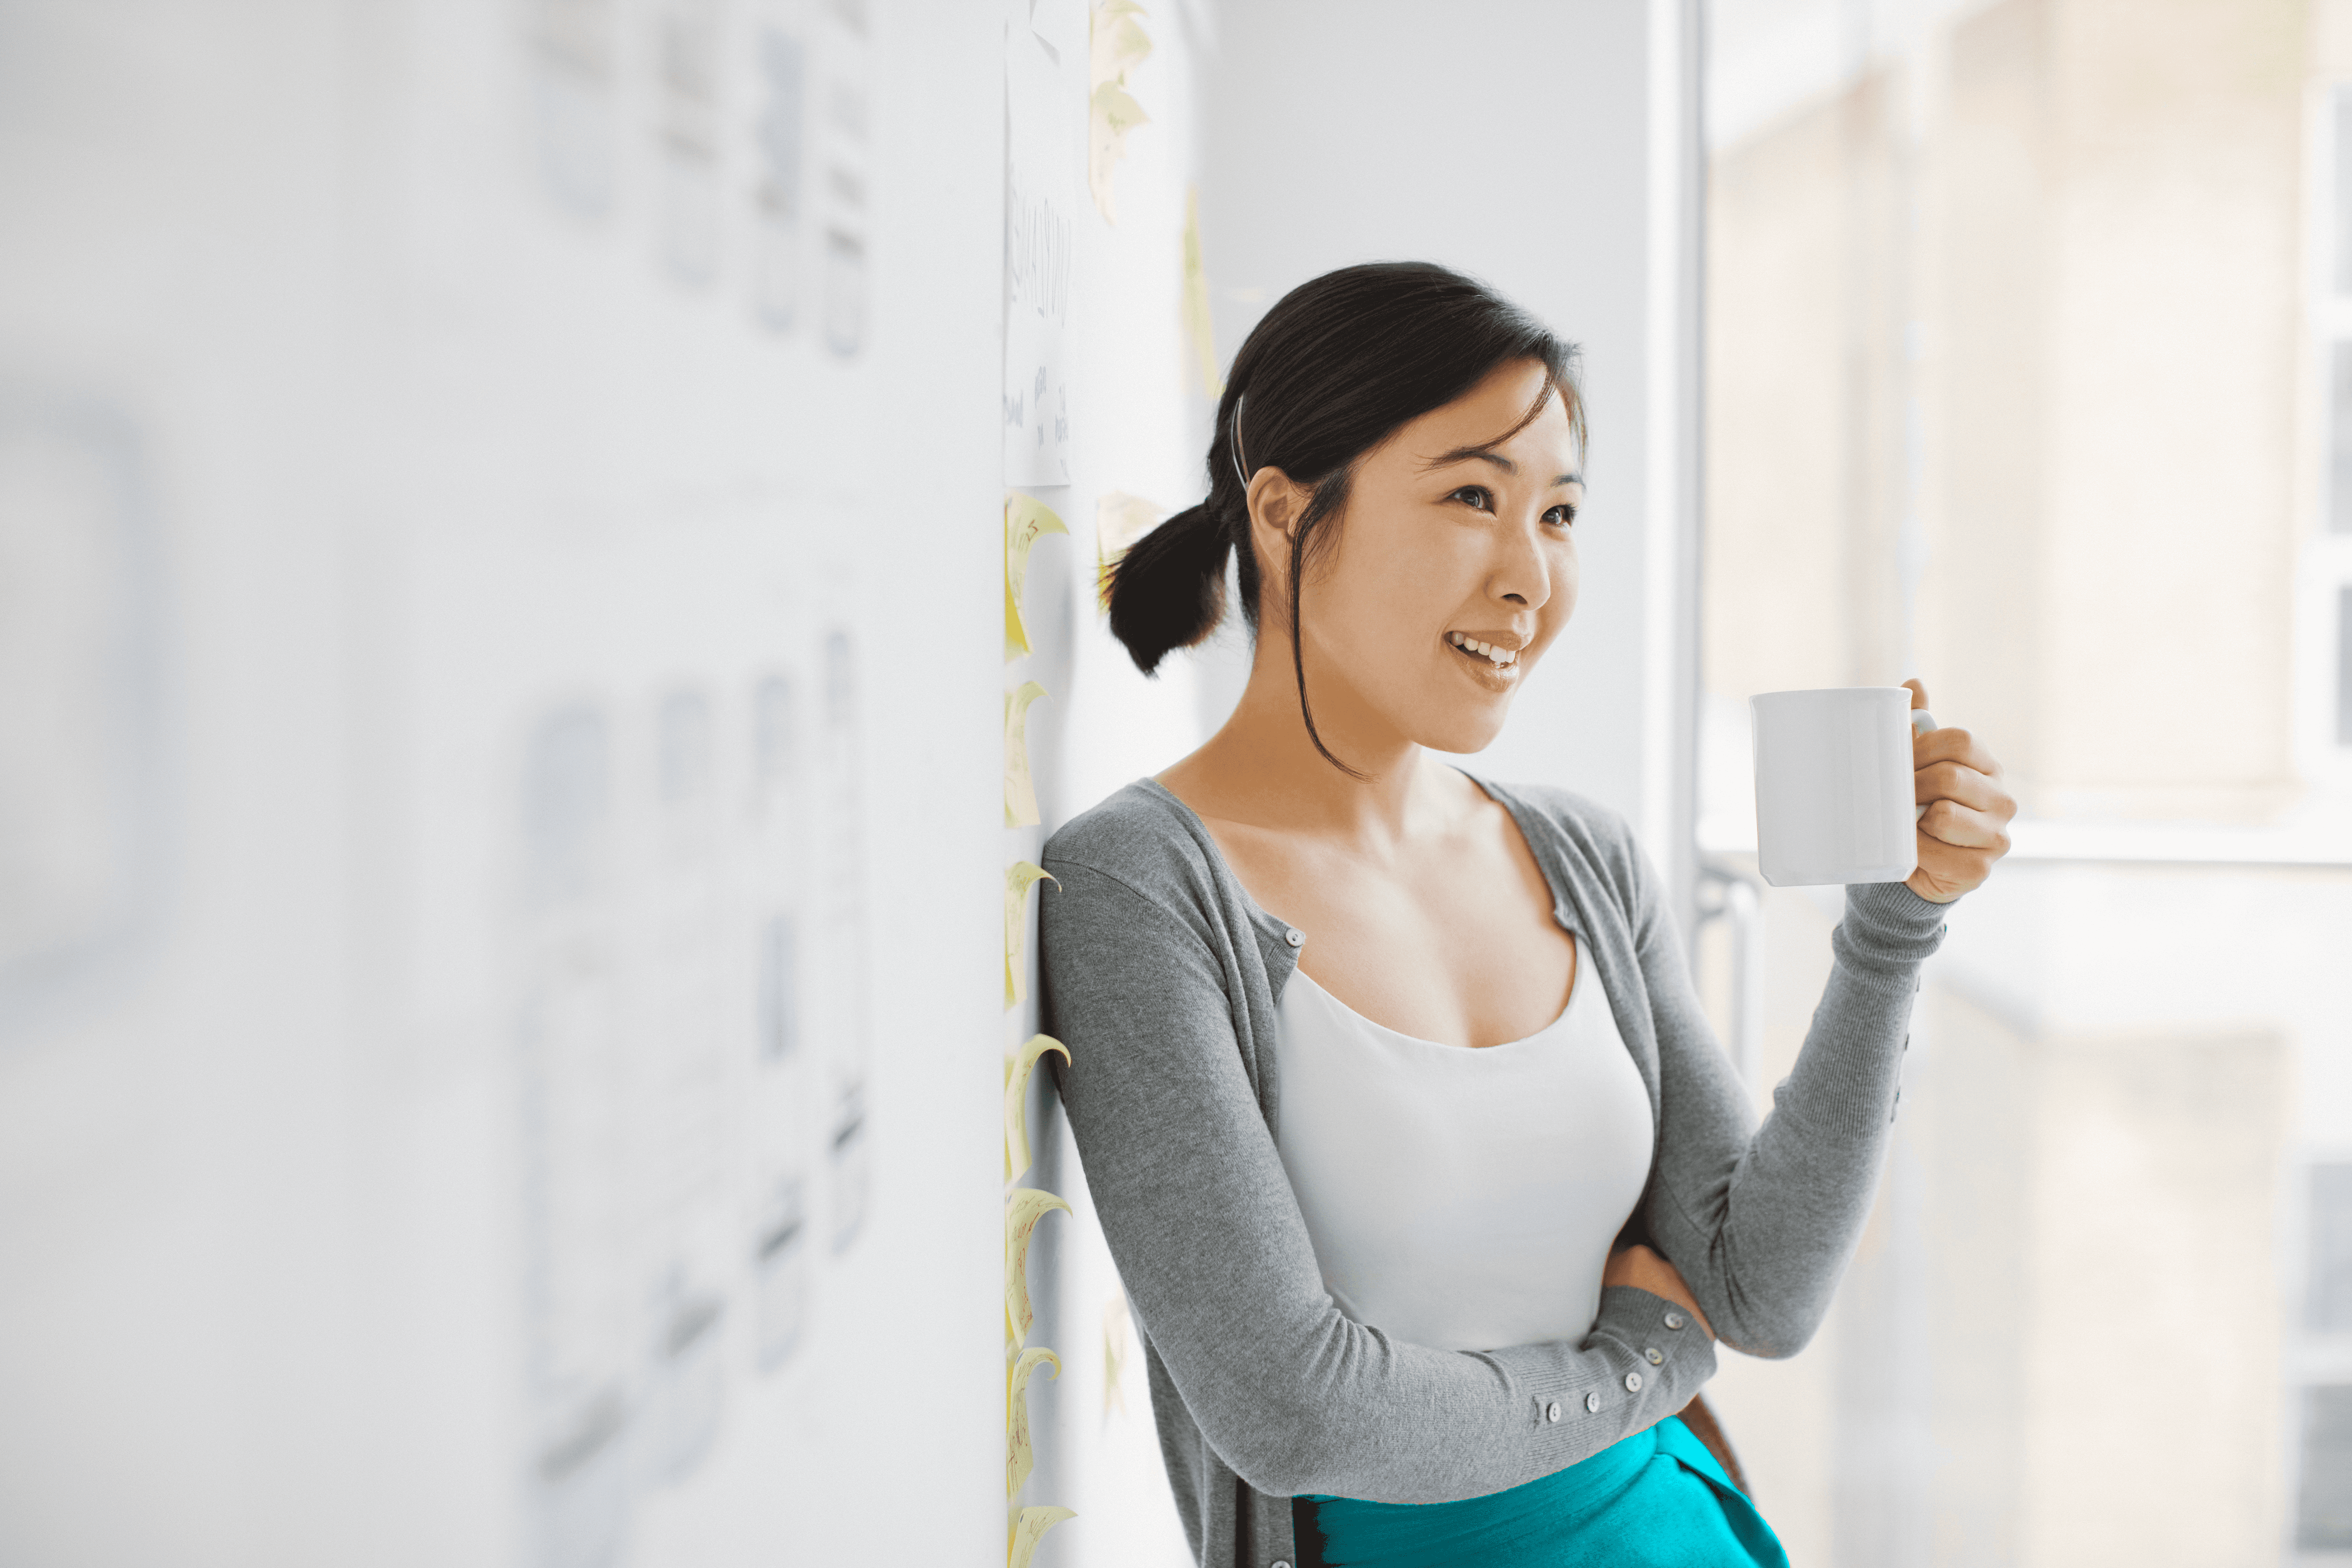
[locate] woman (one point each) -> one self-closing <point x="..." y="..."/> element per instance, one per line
<point x="1428" y="1184"/>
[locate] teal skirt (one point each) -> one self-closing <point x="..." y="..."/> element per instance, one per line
<point x="1657" y="1500"/>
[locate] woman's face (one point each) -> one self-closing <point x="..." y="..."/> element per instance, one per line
<point x="1450" y="572"/>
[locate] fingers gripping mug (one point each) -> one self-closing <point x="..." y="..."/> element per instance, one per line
<point x="1833" y="785"/>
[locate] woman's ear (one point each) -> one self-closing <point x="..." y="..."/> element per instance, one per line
<point x="1276" y="502"/>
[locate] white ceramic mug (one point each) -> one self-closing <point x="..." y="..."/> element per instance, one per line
<point x="1833" y="785"/>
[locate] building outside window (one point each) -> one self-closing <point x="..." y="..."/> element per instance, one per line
<point x="2030" y="373"/>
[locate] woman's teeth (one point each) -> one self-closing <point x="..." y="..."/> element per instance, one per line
<point x="1500" y="657"/>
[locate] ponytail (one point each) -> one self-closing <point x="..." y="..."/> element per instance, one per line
<point x="1168" y="591"/>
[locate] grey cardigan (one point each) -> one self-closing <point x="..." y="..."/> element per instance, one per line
<point x="1163" y="976"/>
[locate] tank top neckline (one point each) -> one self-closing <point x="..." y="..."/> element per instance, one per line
<point x="1381" y="1031"/>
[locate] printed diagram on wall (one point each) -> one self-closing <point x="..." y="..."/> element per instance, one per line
<point x="840" y="970"/>
<point x="780" y="64"/>
<point x="693" y="1064"/>
<point x="574" y="47"/>
<point x="845" y="144"/>
<point x="686" y="137"/>
<point x="1044" y="124"/>
<point x="571" y="1032"/>
<point x="781" y="1259"/>
<point x="680" y="1077"/>
<point x="80" y="823"/>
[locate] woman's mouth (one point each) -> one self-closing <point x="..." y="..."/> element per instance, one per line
<point x="1497" y="659"/>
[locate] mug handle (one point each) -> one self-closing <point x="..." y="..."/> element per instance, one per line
<point x="1921" y="722"/>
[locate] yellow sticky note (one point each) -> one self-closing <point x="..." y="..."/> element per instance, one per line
<point x="1019" y="878"/>
<point x="1197" y="327"/>
<point x="1017" y="1067"/>
<point x="1115" y="44"/>
<point x="1114" y="1342"/>
<point x="1027" y="519"/>
<point x="1023" y="1210"/>
<point x="1120" y="520"/>
<point x="1021" y="1543"/>
<point x="1019" y="788"/>
<point x="1020" y="1454"/>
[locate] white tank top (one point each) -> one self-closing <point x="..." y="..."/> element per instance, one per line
<point x="1462" y="1198"/>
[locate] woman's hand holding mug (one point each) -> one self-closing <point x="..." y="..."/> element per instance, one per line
<point x="1847" y="791"/>
<point x="1964" y="809"/>
<point x="1646" y="1270"/>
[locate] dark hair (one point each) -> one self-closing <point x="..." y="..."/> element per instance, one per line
<point x="1332" y="371"/>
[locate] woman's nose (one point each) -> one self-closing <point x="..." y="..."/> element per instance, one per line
<point x="1523" y="575"/>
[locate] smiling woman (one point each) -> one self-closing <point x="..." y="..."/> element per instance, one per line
<point x="1329" y="397"/>
<point x="1428" y="1183"/>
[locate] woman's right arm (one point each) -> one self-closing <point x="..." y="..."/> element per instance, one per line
<point x="1202" y="1221"/>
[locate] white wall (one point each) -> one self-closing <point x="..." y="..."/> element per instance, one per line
<point x="421" y="448"/>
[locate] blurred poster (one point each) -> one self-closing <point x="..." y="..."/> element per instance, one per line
<point x="687" y="134"/>
<point x="574" y="44"/>
<point x="1045" y="133"/>
<point x="574" y="1101"/>
<point x="78" y="695"/>
<point x="845" y="145"/>
<point x="780" y="59"/>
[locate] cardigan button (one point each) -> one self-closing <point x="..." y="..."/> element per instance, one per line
<point x="1551" y="1411"/>
<point x="1673" y="1319"/>
<point x="1652" y="1357"/>
<point x="1592" y="1402"/>
<point x="1294" y="937"/>
<point x="1632" y="1382"/>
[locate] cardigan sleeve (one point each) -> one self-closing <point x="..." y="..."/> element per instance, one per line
<point x="1200" y="1216"/>
<point x="1762" y="1221"/>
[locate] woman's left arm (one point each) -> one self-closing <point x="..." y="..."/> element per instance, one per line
<point x="1761" y="1221"/>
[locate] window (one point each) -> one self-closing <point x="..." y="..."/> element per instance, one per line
<point x="2324" y="1494"/>
<point x="2323" y="1514"/>
<point x="2344" y="666"/>
<point x="2325" y="655"/>
<point x="2330" y="1292"/>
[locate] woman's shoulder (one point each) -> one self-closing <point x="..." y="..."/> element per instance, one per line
<point x="1588" y="837"/>
<point x="1140" y="836"/>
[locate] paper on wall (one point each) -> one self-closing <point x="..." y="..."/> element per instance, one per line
<point x="1120" y="520"/>
<point x="1031" y="1525"/>
<point x="1116" y="43"/>
<point x="1116" y="1335"/>
<point x="1019" y="878"/>
<point x="1043" y="123"/>
<point x="1197" y="326"/>
<point x="1017" y="1068"/>
<point x="1020" y="787"/>
<point x="1026" y="520"/>
<point x="1019" y="1454"/>
<point x="1023" y="1210"/>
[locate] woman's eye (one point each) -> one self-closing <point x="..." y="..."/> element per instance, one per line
<point x="1562" y="515"/>
<point x="1472" y="495"/>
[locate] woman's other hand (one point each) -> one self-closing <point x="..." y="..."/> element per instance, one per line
<point x="1965" y="827"/>
<point x="1646" y="1270"/>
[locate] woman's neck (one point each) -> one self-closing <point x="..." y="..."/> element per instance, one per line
<point x="1262" y="767"/>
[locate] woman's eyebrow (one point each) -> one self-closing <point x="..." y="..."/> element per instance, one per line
<point x="1486" y="454"/>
